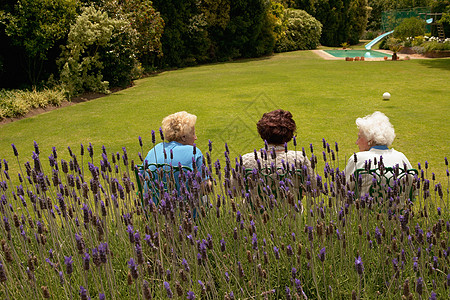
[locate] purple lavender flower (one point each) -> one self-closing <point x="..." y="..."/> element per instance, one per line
<point x="276" y="251"/>
<point x="36" y="148"/>
<point x="222" y="245"/>
<point x="419" y="286"/>
<point x="3" y="277"/>
<point x="83" y="293"/>
<point x="433" y="296"/>
<point x="185" y="265"/>
<point x="321" y="254"/>
<point x="231" y="295"/>
<point x="254" y="242"/>
<point x="101" y="296"/>
<point x="68" y="262"/>
<point x="16" y="153"/>
<point x="448" y="280"/>
<point x="190" y="295"/>
<point x="378" y="235"/>
<point x="168" y="290"/>
<point x="288" y="294"/>
<point x="293" y="272"/>
<point x="86" y="259"/>
<point x="202" y="286"/>
<point x="240" y="269"/>
<point x="359" y="265"/>
<point x="298" y="286"/>
<point x="133" y="269"/>
<point x="227" y="277"/>
<point x="310" y="233"/>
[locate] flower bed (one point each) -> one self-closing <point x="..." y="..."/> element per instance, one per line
<point x="437" y="53"/>
<point x="75" y="229"/>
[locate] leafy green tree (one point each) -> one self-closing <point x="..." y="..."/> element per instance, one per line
<point x="358" y="15"/>
<point x="410" y="27"/>
<point x="302" y="31"/>
<point x="93" y="40"/>
<point x="248" y="32"/>
<point x="184" y="36"/>
<point x="442" y="6"/>
<point x="36" y="26"/>
<point x="147" y="23"/>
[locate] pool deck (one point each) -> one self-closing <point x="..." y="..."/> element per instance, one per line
<point x="388" y="53"/>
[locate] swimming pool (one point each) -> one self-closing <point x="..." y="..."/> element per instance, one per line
<point x="355" y="53"/>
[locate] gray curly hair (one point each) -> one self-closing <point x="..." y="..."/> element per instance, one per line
<point x="177" y="125"/>
<point x="377" y="128"/>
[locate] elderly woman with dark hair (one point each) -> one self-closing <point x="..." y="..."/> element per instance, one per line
<point x="375" y="136"/>
<point x="276" y="128"/>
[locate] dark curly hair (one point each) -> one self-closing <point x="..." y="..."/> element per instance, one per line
<point x="276" y="127"/>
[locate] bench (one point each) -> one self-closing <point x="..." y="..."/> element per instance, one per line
<point x="386" y="181"/>
<point x="159" y="178"/>
<point x="257" y="182"/>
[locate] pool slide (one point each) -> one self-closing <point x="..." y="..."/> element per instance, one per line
<point x="378" y="38"/>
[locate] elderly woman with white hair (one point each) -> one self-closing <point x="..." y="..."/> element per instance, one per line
<point x="375" y="136"/>
<point x="178" y="146"/>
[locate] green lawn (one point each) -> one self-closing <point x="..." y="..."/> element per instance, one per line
<point x="325" y="98"/>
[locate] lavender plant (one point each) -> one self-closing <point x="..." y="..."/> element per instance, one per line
<point x="78" y="228"/>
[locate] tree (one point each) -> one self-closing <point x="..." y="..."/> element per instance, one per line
<point x="358" y="15"/>
<point x="93" y="39"/>
<point x="410" y="27"/>
<point x="146" y="21"/>
<point x="248" y="31"/>
<point x="37" y="26"/>
<point x="184" y="37"/>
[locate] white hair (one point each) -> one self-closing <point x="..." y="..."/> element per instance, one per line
<point x="177" y="125"/>
<point x="377" y="128"/>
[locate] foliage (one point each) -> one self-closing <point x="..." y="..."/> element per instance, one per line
<point x="302" y="31"/>
<point x="184" y="35"/>
<point x="394" y="44"/>
<point x="16" y="103"/>
<point x="249" y="32"/>
<point x="342" y="20"/>
<point x="358" y="15"/>
<point x="410" y="27"/>
<point x="77" y="228"/>
<point x="436" y="46"/>
<point x="94" y="40"/>
<point x="379" y="6"/>
<point x="147" y="24"/>
<point x="37" y="26"/>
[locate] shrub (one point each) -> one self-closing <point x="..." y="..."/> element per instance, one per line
<point x="418" y="40"/>
<point x="418" y="49"/>
<point x="99" y="49"/>
<point x="436" y="46"/>
<point x="302" y="32"/>
<point x="409" y="28"/>
<point x="17" y="103"/>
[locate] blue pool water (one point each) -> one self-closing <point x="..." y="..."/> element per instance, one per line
<point x="355" y="53"/>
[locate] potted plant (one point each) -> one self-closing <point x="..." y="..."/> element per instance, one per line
<point x="345" y="45"/>
<point x="395" y="46"/>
